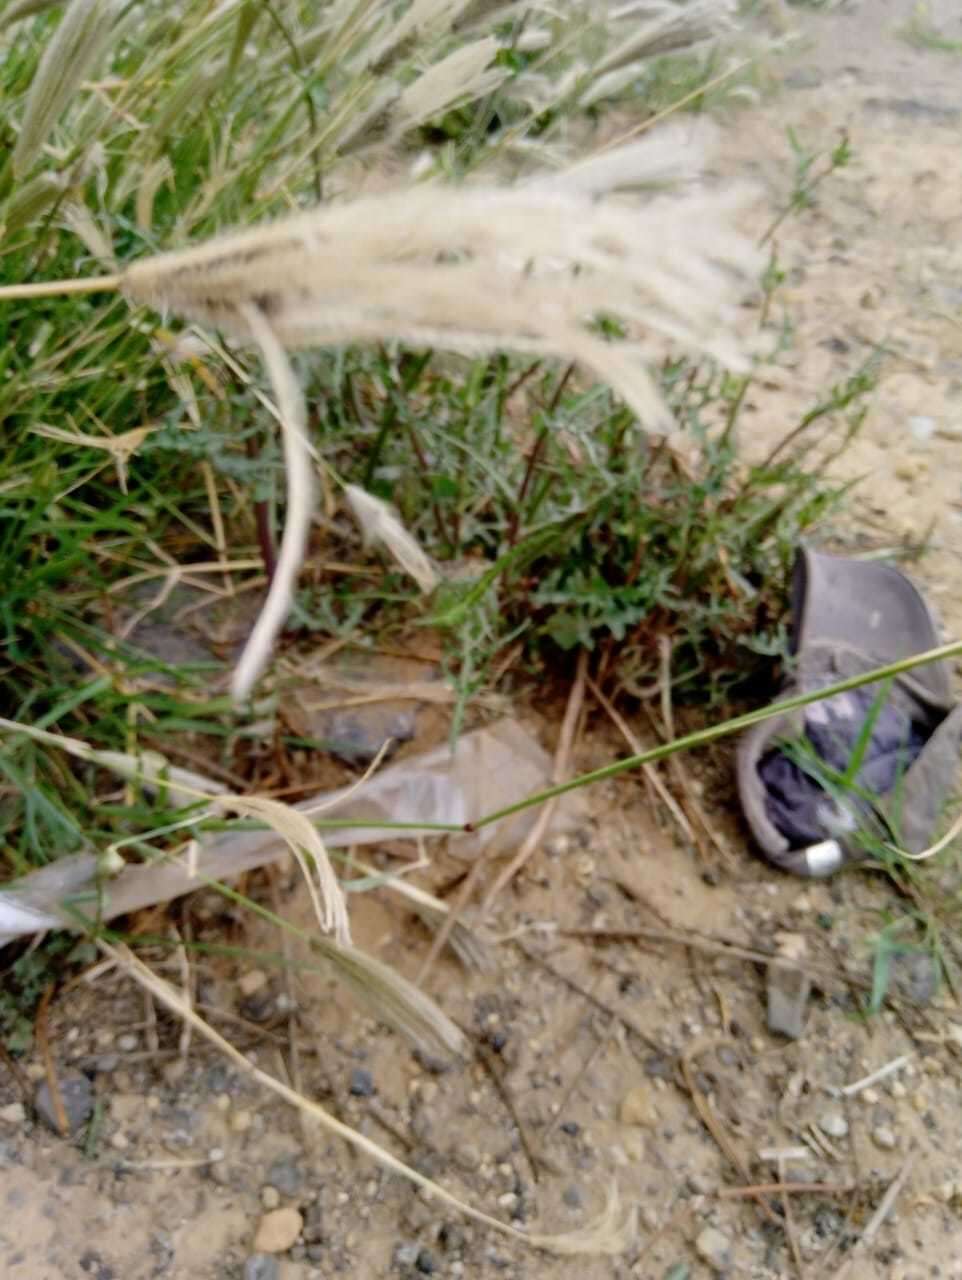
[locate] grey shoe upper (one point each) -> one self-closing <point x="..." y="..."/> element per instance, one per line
<point x="811" y="789"/>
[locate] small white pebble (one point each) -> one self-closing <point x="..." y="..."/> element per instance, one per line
<point x="834" y="1124"/>
<point x="270" y="1197"/>
<point x="241" y="1121"/>
<point x="897" y="1089"/>
<point x="13" y="1113"/>
<point x="884" y="1138"/>
<point x="870" y="1097"/>
<point x="120" y="1142"/>
<point x="251" y="982"/>
<point x="72" y="1035"/>
<point x="127" y="1043"/>
<point x="215" y="1155"/>
<point x="222" y="1102"/>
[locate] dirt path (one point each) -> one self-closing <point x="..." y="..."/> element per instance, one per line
<point x="187" y="1162"/>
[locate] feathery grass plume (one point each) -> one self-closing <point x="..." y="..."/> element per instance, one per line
<point x="475" y="270"/>
<point x="31" y="201"/>
<point x="613" y="1232"/>
<point x="379" y="524"/>
<point x="298" y="463"/>
<point x="69" y="56"/>
<point x="302" y="838"/>
<point x="478" y="270"/>
<point x="393" y="999"/>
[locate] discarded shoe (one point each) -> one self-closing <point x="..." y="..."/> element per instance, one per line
<point x="820" y="787"/>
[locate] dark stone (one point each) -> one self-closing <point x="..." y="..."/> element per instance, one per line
<point x="571" y="1127"/>
<point x="916" y="975"/>
<point x="803" y="78"/>
<point x="259" y="1007"/>
<point x="451" y="1237"/>
<point x="313" y="1231"/>
<point x="78" y="1102"/>
<point x="658" y="1066"/>
<point x="262" y="1266"/>
<point x="92" y="1264"/>
<point x="428" y="1062"/>
<point x="788" y="992"/>
<point x="425" y="1262"/>
<point x="362" y="1083"/>
<point x="285" y="1176"/>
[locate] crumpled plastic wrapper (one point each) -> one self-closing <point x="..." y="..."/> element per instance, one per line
<point x="488" y="769"/>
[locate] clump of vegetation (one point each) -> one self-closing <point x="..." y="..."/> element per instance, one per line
<point x="923" y="32"/>
<point x="136" y="454"/>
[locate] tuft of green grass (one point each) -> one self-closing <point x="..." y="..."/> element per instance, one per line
<point x="922" y="31"/>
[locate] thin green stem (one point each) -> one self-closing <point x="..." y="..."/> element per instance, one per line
<point x="703" y="736"/>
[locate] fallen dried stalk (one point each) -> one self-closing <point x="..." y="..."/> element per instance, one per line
<point x="649" y="770"/>
<point x="611" y="1234"/>
<point x="43" y="1043"/>
<point x="874" y="1224"/>
<point x="856" y="1087"/>
<point x="714" y="1125"/>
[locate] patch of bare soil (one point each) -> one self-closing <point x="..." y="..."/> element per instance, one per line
<point x="638" y="1056"/>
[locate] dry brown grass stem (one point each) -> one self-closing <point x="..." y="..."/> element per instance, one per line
<point x="612" y="1233"/>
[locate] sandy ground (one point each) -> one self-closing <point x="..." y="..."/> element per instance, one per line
<point x="588" y="1038"/>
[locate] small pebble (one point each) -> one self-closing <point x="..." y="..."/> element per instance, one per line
<point x="251" y="982"/>
<point x="638" y="1107"/>
<point x="425" y="1262"/>
<point x="77" y="1095"/>
<point x="834" y="1124"/>
<point x="120" y="1142"/>
<point x="870" y="1097"/>
<point x="128" y="1042"/>
<point x="922" y="428"/>
<point x="241" y="1121"/>
<point x="714" y="1247"/>
<point x="285" y="1176"/>
<point x="277" y="1231"/>
<point x="260" y="1266"/>
<point x="884" y="1138"/>
<point x="270" y="1197"/>
<point x="362" y="1083"/>
<point x="13" y="1113"/>
<point x="788" y="995"/>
